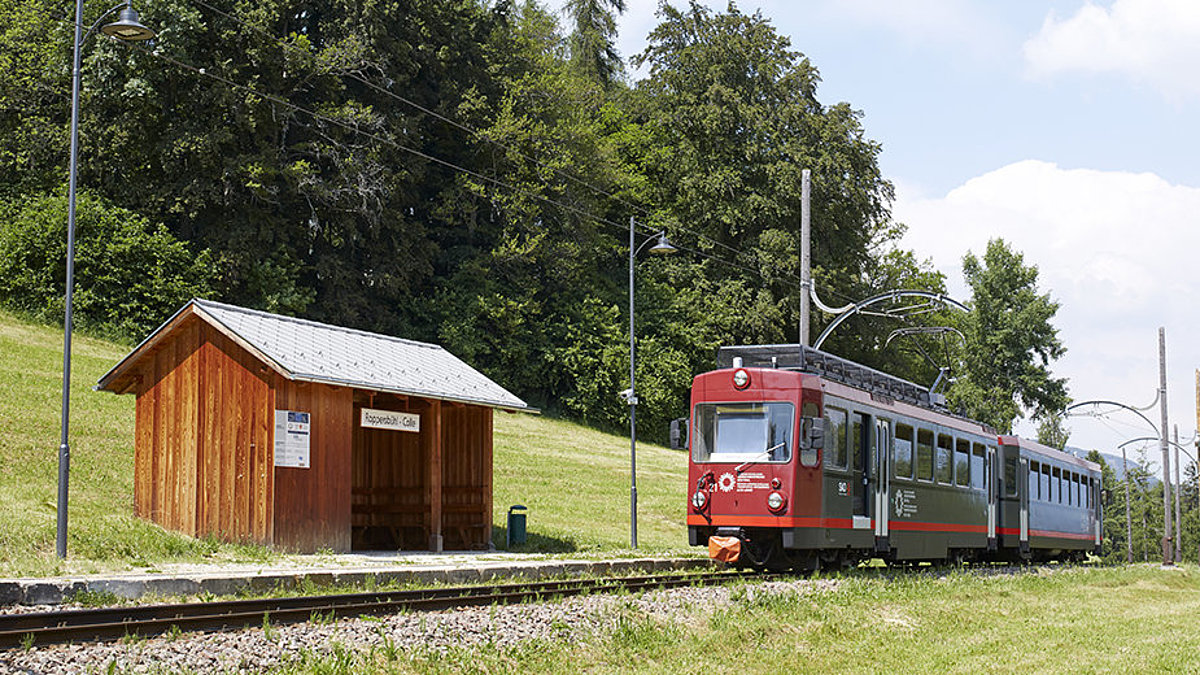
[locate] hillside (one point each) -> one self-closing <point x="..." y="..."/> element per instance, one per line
<point x="574" y="480"/>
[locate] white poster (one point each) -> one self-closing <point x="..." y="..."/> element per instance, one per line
<point x="291" y="438"/>
<point x="390" y="419"/>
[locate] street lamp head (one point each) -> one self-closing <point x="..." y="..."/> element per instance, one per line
<point x="127" y="27"/>
<point x="663" y="247"/>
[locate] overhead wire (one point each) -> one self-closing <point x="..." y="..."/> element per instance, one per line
<point x="641" y="227"/>
<point x="467" y="128"/>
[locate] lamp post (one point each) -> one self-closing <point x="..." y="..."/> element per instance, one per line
<point x="127" y="27"/>
<point x="661" y="247"/>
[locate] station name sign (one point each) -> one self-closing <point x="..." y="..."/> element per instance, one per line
<point x="390" y="419"/>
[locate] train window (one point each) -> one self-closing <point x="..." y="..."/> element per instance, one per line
<point x="1035" y="473"/>
<point x="1056" y="485"/>
<point x="743" y="432"/>
<point x="977" y="459"/>
<point x="859" y="442"/>
<point x="962" y="462"/>
<point x="903" y="453"/>
<point x="835" y="441"/>
<point x="1010" y="475"/>
<point x="1076" y="490"/>
<point x="945" y="459"/>
<point x="810" y="449"/>
<point x="924" y="454"/>
<point x="1044" y="482"/>
<point x="1073" y="489"/>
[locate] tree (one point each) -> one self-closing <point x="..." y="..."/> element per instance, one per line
<point x="460" y="171"/>
<point x="1052" y="432"/>
<point x="311" y="190"/>
<point x="35" y="96"/>
<point x="1010" y="342"/>
<point x="594" y="29"/>
<point x="732" y="117"/>
<point x="130" y="275"/>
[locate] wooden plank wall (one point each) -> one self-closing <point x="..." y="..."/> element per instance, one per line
<point x="390" y="507"/>
<point x="166" y="432"/>
<point x="393" y="495"/>
<point x="466" y="476"/>
<point x="312" y="505"/>
<point x="201" y="458"/>
<point x="236" y="472"/>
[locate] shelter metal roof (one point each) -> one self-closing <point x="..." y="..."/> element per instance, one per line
<point x="317" y="352"/>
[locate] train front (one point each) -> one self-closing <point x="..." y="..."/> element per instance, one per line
<point x="754" y="468"/>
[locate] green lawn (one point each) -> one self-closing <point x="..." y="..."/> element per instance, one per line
<point x="1137" y="619"/>
<point x="574" y="480"/>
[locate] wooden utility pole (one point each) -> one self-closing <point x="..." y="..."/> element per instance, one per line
<point x="805" y="256"/>
<point x="1168" y="556"/>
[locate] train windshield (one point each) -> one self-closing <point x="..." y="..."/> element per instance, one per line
<point x="740" y="432"/>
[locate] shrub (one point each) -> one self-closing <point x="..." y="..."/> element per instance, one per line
<point x="130" y="275"/>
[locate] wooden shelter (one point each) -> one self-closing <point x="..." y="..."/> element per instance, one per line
<point x="304" y="436"/>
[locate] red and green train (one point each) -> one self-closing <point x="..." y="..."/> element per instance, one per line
<point x="800" y="460"/>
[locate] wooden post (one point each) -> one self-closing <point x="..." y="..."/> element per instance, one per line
<point x="487" y="478"/>
<point x="434" y="481"/>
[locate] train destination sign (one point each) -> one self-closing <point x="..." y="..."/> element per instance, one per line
<point x="390" y="419"/>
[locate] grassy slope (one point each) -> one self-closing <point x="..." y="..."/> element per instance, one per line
<point x="575" y="480"/>
<point x="1137" y="619"/>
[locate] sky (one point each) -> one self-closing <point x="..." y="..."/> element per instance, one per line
<point x="1069" y="128"/>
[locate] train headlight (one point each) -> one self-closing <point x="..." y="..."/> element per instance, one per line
<point x="741" y="379"/>
<point x="776" y="501"/>
<point x="699" y="500"/>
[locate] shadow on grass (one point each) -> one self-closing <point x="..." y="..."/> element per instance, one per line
<point x="534" y="543"/>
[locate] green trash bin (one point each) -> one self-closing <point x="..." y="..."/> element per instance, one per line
<point x="516" y="526"/>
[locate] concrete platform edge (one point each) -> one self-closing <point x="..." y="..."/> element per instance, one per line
<point x="59" y="590"/>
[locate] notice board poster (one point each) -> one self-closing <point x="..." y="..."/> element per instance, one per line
<point x="292" y="439"/>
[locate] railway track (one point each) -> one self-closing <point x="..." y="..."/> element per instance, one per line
<point x="112" y="623"/>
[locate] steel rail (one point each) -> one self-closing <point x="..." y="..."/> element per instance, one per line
<point x="113" y="623"/>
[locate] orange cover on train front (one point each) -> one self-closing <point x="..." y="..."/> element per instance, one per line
<point x="725" y="549"/>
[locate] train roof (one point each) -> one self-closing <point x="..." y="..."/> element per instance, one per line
<point x="809" y="360"/>
<point x="1051" y="453"/>
<point x="880" y="385"/>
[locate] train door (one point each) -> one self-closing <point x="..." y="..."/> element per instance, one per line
<point x="861" y="436"/>
<point x="991" y="479"/>
<point x="882" y="466"/>
<point x="1023" y="499"/>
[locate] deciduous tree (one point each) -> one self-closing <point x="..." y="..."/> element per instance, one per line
<point x="1010" y="342"/>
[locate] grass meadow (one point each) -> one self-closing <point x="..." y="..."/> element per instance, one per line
<point x="574" y="480"/>
<point x="1088" y="619"/>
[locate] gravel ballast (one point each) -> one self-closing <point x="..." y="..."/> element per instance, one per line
<point x="259" y="649"/>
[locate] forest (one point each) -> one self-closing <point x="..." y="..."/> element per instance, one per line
<point x="466" y="172"/>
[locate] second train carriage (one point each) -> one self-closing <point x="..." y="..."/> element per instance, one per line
<point x="802" y="459"/>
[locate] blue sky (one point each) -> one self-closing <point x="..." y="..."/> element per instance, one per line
<point x="1069" y="128"/>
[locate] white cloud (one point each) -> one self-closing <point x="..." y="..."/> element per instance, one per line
<point x="1117" y="250"/>
<point x="1155" y="42"/>
<point x="921" y="21"/>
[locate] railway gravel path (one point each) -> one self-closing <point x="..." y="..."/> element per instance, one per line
<point x="259" y="649"/>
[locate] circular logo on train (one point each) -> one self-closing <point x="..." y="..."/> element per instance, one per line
<point x="725" y="482"/>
